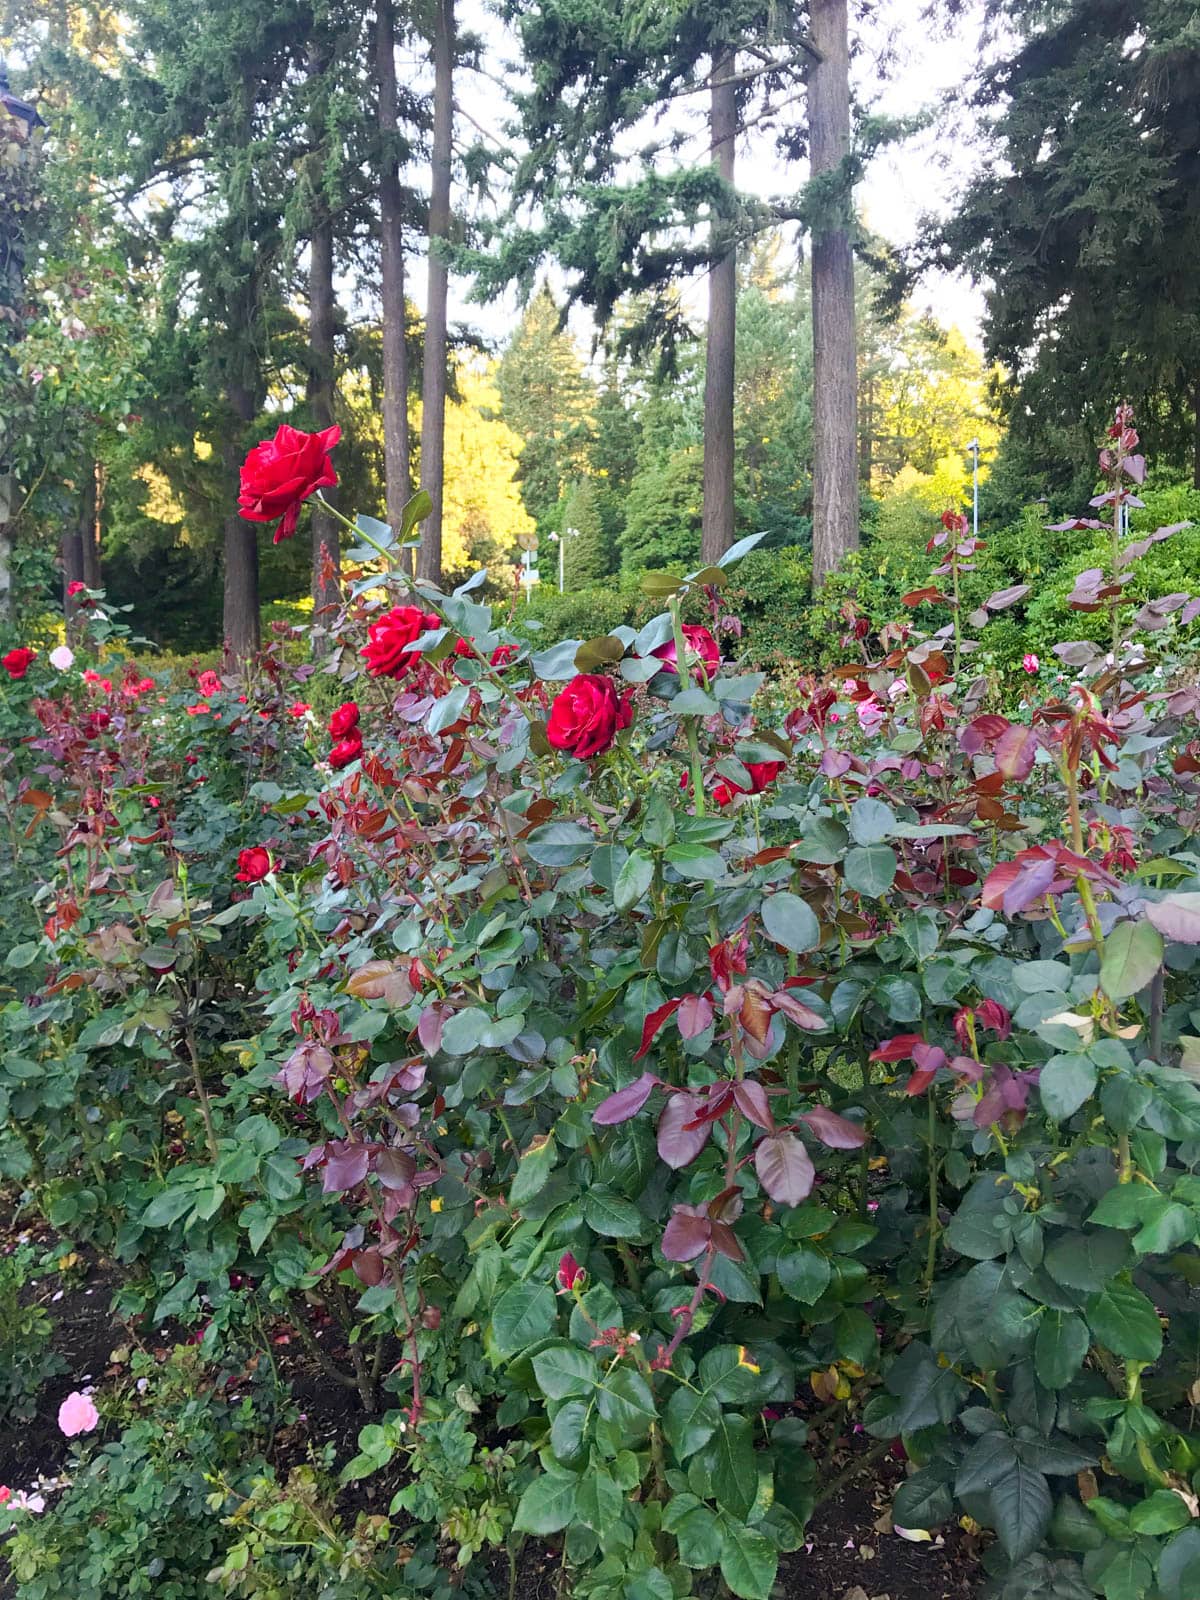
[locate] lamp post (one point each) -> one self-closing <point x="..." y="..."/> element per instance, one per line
<point x="973" y="447"/>
<point x="560" y="540"/>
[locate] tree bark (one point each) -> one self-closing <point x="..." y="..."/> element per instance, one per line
<point x="391" y="247"/>
<point x="73" y="541"/>
<point x="433" y="389"/>
<point x="322" y="317"/>
<point x="1196" y="438"/>
<point x="835" y="428"/>
<point x="241" y="623"/>
<point x="718" y="513"/>
<point x="92" y="573"/>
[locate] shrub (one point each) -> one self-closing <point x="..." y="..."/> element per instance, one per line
<point x="651" y="1079"/>
<point x="27" y="1358"/>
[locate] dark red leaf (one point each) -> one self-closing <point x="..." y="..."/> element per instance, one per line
<point x="752" y="1102"/>
<point x="695" y="1014"/>
<point x="686" y="1235"/>
<point x="624" y="1103"/>
<point x="345" y="1166"/>
<point x="898" y="1049"/>
<point x="656" y="1020"/>
<point x="784" y="1168"/>
<point x="835" y="1131"/>
<point x="677" y="1143"/>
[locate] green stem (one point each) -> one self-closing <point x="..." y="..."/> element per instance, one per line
<point x="931" y="1245"/>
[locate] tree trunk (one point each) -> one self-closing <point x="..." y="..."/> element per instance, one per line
<point x="1196" y="438"/>
<point x="73" y="542"/>
<point x="391" y="247"/>
<point x="8" y="490"/>
<point x="322" y="312"/>
<point x="835" y="428"/>
<point x="717" y="522"/>
<point x="241" y="624"/>
<point x="92" y="574"/>
<point x="433" y="389"/>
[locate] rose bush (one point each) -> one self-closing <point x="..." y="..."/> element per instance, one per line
<point x="653" y="1076"/>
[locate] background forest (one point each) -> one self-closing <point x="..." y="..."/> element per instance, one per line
<point x="226" y="222"/>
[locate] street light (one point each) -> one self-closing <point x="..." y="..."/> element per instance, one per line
<point x="560" y="540"/>
<point x="973" y="447"/>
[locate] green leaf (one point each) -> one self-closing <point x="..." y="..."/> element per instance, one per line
<point x="167" y="1207"/>
<point x="1133" y="953"/>
<point x="804" y="1274"/>
<point x="1128" y="1205"/>
<point x="1125" y="1322"/>
<point x="789" y="921"/>
<point x="1128" y="1576"/>
<point x="633" y="880"/>
<point x="625" y="1400"/>
<point x="689" y="1421"/>
<point x="523" y="1315"/>
<point x="748" y="1561"/>
<point x="564" y="1371"/>
<point x="567" y="1430"/>
<point x="1059" y="1350"/>
<point x="1162" y="1512"/>
<point x="533" y="1170"/>
<point x="549" y="1504"/>
<point x="923" y="1501"/>
<point x="598" y="1500"/>
<point x="610" y="1215"/>
<point x="696" y="1530"/>
<point x="1088" y="1260"/>
<point x="1022" y="1507"/>
<point x="1066" y="1082"/>
<point x="1179" y="1566"/>
<point x="280" y="1177"/>
<point x="870" y="870"/>
<point x="560" y="844"/>
<point x="732" y="1471"/>
<point x="871" y="822"/>
<point x="696" y="862"/>
<point x="926" y="1392"/>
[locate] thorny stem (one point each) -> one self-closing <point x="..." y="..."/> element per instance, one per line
<point x="693" y="738"/>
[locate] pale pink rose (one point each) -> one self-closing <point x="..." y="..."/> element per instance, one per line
<point x="62" y="658"/>
<point x="870" y="715"/>
<point x="77" y="1414"/>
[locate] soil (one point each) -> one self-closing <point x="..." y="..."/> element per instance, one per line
<point x="851" y="1552"/>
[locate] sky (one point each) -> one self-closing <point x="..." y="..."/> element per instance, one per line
<point x="901" y="184"/>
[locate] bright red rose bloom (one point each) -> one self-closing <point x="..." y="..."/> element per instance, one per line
<point x="587" y="715"/>
<point x="701" y="643"/>
<point x="464" y="647"/>
<point x="280" y="473"/>
<point x="762" y="775"/>
<point x="254" y="864"/>
<point x="503" y="654"/>
<point x="16" y="662"/>
<point x="346" y="750"/>
<point x="75" y="587"/>
<point x="570" y="1274"/>
<point x="389" y="649"/>
<point x="343" y="720"/>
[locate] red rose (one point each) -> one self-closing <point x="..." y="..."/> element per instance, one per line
<point x="389" y="649"/>
<point x="503" y="654"/>
<point x="699" y="642"/>
<point x="570" y="1274"/>
<point x="464" y="647"/>
<point x="254" y="864"/>
<point x="762" y="774"/>
<point x="280" y="473"/>
<point x="586" y="716"/>
<point x="208" y="683"/>
<point x="75" y="587"/>
<point x="346" y="750"/>
<point x="343" y="719"/>
<point x="16" y="662"/>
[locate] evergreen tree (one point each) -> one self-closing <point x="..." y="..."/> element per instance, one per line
<point x="1085" y="220"/>
<point x="547" y="400"/>
<point x="585" y="557"/>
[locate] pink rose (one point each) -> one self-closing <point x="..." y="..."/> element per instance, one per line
<point x="77" y="1414"/>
